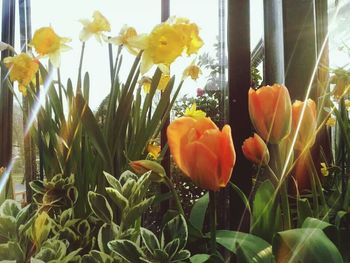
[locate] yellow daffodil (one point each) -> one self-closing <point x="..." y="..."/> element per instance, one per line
<point x="126" y="33"/>
<point x="194" y="113"/>
<point x="47" y="43"/>
<point x="166" y="43"/>
<point x="153" y="150"/>
<point x="190" y="34"/>
<point x="347" y="104"/>
<point x="96" y="27"/>
<point x="146" y="83"/>
<point x="324" y="169"/>
<point x="22" y="69"/>
<point x="192" y="71"/>
<point x="163" y="82"/>
<point x="331" y="121"/>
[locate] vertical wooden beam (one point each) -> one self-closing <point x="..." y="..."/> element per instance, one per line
<point x="239" y="84"/>
<point x="29" y="145"/>
<point x="6" y="97"/>
<point x="273" y="42"/>
<point x="299" y="46"/>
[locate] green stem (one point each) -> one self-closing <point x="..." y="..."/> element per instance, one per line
<point x="272" y="176"/>
<point x="285" y="207"/>
<point x="212" y="212"/>
<point x="80" y="67"/>
<point x="175" y="195"/>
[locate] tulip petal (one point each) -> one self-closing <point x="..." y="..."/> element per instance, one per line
<point x="227" y="155"/>
<point x="202" y="165"/>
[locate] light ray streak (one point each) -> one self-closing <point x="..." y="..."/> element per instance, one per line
<point x="39" y="102"/>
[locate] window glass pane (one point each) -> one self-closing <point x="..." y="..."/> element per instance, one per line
<point x="63" y="17"/>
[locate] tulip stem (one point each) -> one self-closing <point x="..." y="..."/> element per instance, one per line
<point x="212" y="212"/>
<point x="272" y="176"/>
<point x="175" y="195"/>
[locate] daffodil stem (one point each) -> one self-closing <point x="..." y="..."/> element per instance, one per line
<point x="175" y="195"/>
<point x="212" y="214"/>
<point x="80" y="67"/>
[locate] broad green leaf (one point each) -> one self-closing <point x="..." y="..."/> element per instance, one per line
<point x="11" y="251"/>
<point x="198" y="212"/>
<point x="41" y="228"/>
<point x="304" y="245"/>
<point x="113" y="182"/>
<point x="175" y="228"/>
<point x="135" y="212"/>
<point x="266" y="213"/>
<point x="199" y="258"/>
<point x="107" y="232"/>
<point x="10" y="208"/>
<point x="126" y="250"/>
<point x="257" y="249"/>
<point x="117" y="198"/>
<point x="150" y="240"/>
<point x="100" y="206"/>
<point x="172" y="247"/>
<point x="330" y="230"/>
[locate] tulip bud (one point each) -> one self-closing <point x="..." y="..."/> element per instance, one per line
<point x="307" y="131"/>
<point x="255" y="150"/>
<point x="270" y="112"/>
<point x="144" y="166"/>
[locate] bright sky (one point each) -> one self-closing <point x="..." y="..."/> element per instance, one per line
<point x="63" y="16"/>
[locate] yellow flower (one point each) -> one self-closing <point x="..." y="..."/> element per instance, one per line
<point x="153" y="150"/>
<point x="163" y="82"/>
<point x="192" y="71"/>
<point x="190" y="35"/>
<point x="47" y="43"/>
<point x="331" y="121"/>
<point x="96" y="27"/>
<point x="146" y="83"/>
<point x="347" y="104"/>
<point x="22" y="69"/>
<point x="194" y="113"/>
<point x="324" y="169"/>
<point x="125" y="34"/>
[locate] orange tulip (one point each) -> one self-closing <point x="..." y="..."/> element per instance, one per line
<point x="255" y="150"/>
<point x="307" y="132"/>
<point x="202" y="151"/>
<point x="270" y="112"/>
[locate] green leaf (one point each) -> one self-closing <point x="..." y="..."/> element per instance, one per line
<point x="304" y="245"/>
<point x="242" y="196"/>
<point x="181" y="256"/>
<point x="136" y="211"/>
<point x="100" y="206"/>
<point x="330" y="230"/>
<point x="199" y="258"/>
<point x="266" y="213"/>
<point x="113" y="182"/>
<point x="107" y="232"/>
<point x="256" y="248"/>
<point x="175" y="229"/>
<point x="304" y="210"/>
<point x="10" y="208"/>
<point x="150" y="240"/>
<point x="127" y="250"/>
<point x="172" y="247"/>
<point x="117" y="198"/>
<point x="198" y="212"/>
<point x="11" y="251"/>
<point x="92" y="129"/>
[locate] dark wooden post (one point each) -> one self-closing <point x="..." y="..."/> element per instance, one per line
<point x="239" y="84"/>
<point x="273" y="42"/>
<point x="29" y="145"/>
<point x="299" y="46"/>
<point x="6" y="97"/>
